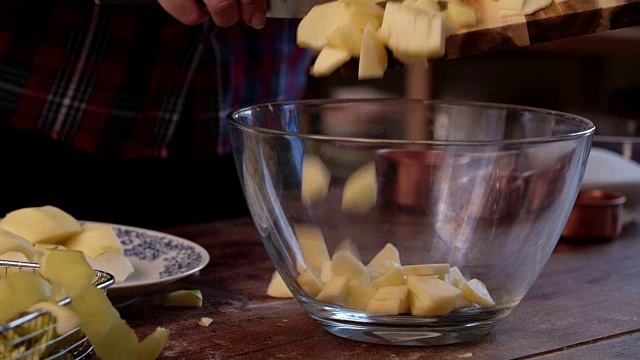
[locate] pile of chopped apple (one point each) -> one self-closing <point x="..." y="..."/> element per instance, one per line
<point x="48" y="227"/>
<point x="413" y="31"/>
<point x="62" y="274"/>
<point x="384" y="285"/>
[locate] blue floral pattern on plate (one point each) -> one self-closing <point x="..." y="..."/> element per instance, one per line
<point x="177" y="255"/>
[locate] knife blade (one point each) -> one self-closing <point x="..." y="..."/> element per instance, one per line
<point x="294" y="9"/>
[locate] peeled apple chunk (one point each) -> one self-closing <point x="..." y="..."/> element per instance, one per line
<point x="460" y="15"/>
<point x="373" y="55"/>
<point x="10" y="242"/>
<point x="431" y="296"/>
<point x="113" y="263"/>
<point x="66" y="319"/>
<point x="20" y="290"/>
<point x="277" y="287"/>
<point x="360" y="190"/>
<point x="329" y="60"/>
<point x="318" y="24"/>
<point x="315" y="179"/>
<point x="69" y="268"/>
<point x="109" y="334"/>
<point x="151" y="346"/>
<point x="528" y="7"/>
<point x="46" y="224"/>
<point x="94" y="239"/>
<point x="185" y="298"/>
<point x="312" y="245"/>
<point x="475" y="291"/>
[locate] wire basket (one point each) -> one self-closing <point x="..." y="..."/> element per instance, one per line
<point x="27" y="337"/>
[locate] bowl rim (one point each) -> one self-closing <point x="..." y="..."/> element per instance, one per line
<point x="588" y="131"/>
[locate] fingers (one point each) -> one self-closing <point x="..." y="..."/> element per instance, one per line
<point x="226" y="13"/>
<point x="189" y="12"/>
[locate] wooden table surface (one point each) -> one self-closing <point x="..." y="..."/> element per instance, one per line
<point x="585" y="305"/>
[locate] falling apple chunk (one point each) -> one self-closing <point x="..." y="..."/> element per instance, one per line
<point x="373" y="55"/>
<point x="460" y="15"/>
<point x="315" y="179"/>
<point x="360" y="190"/>
<point x="329" y="60"/>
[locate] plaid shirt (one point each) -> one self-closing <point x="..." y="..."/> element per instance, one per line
<point x="120" y="79"/>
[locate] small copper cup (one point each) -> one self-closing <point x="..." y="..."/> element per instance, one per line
<point x="596" y="214"/>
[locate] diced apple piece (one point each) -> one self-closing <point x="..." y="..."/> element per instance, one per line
<point x="363" y="15"/>
<point x="183" y="298"/>
<point x="387" y="306"/>
<point x="315" y="27"/>
<point x="373" y="55"/>
<point x="329" y="60"/>
<point x="388" y="253"/>
<point x="392" y="276"/>
<point x="20" y="290"/>
<point x="460" y="15"/>
<point x="437" y="35"/>
<point x="109" y="334"/>
<point x="114" y="263"/>
<point x="510" y="4"/>
<point x="431" y="5"/>
<point x="463" y="303"/>
<point x="94" y="239"/>
<point x="326" y="273"/>
<point x="349" y="246"/>
<point x="431" y="296"/>
<point x="528" y="7"/>
<point x="475" y="291"/>
<point x="347" y="37"/>
<point x="312" y="245"/>
<point x="426" y="269"/>
<point x="277" y="287"/>
<point x="310" y="283"/>
<point x="360" y="190"/>
<point x="405" y="30"/>
<point x="334" y="291"/>
<point x="391" y="292"/>
<point x="315" y="179"/>
<point x="69" y="268"/>
<point x="455" y="277"/>
<point x="358" y="295"/>
<point x="66" y="319"/>
<point x="151" y="346"/>
<point x="205" y="321"/>
<point x="47" y="224"/>
<point x="10" y="242"/>
<point x="345" y="264"/>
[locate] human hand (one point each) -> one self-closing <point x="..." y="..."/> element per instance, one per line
<point x="225" y="13"/>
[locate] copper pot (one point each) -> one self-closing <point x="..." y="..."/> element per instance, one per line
<point x="596" y="214"/>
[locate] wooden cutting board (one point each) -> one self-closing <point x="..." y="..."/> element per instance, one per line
<point x="560" y="20"/>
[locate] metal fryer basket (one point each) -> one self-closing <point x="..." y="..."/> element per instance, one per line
<point x="27" y="336"/>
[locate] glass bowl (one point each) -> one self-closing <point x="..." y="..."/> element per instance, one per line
<point x="408" y="222"/>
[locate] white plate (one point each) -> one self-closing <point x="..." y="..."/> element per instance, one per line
<point x="157" y="258"/>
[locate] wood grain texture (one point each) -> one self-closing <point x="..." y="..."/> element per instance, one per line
<point x="558" y="21"/>
<point x="584" y="305"/>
